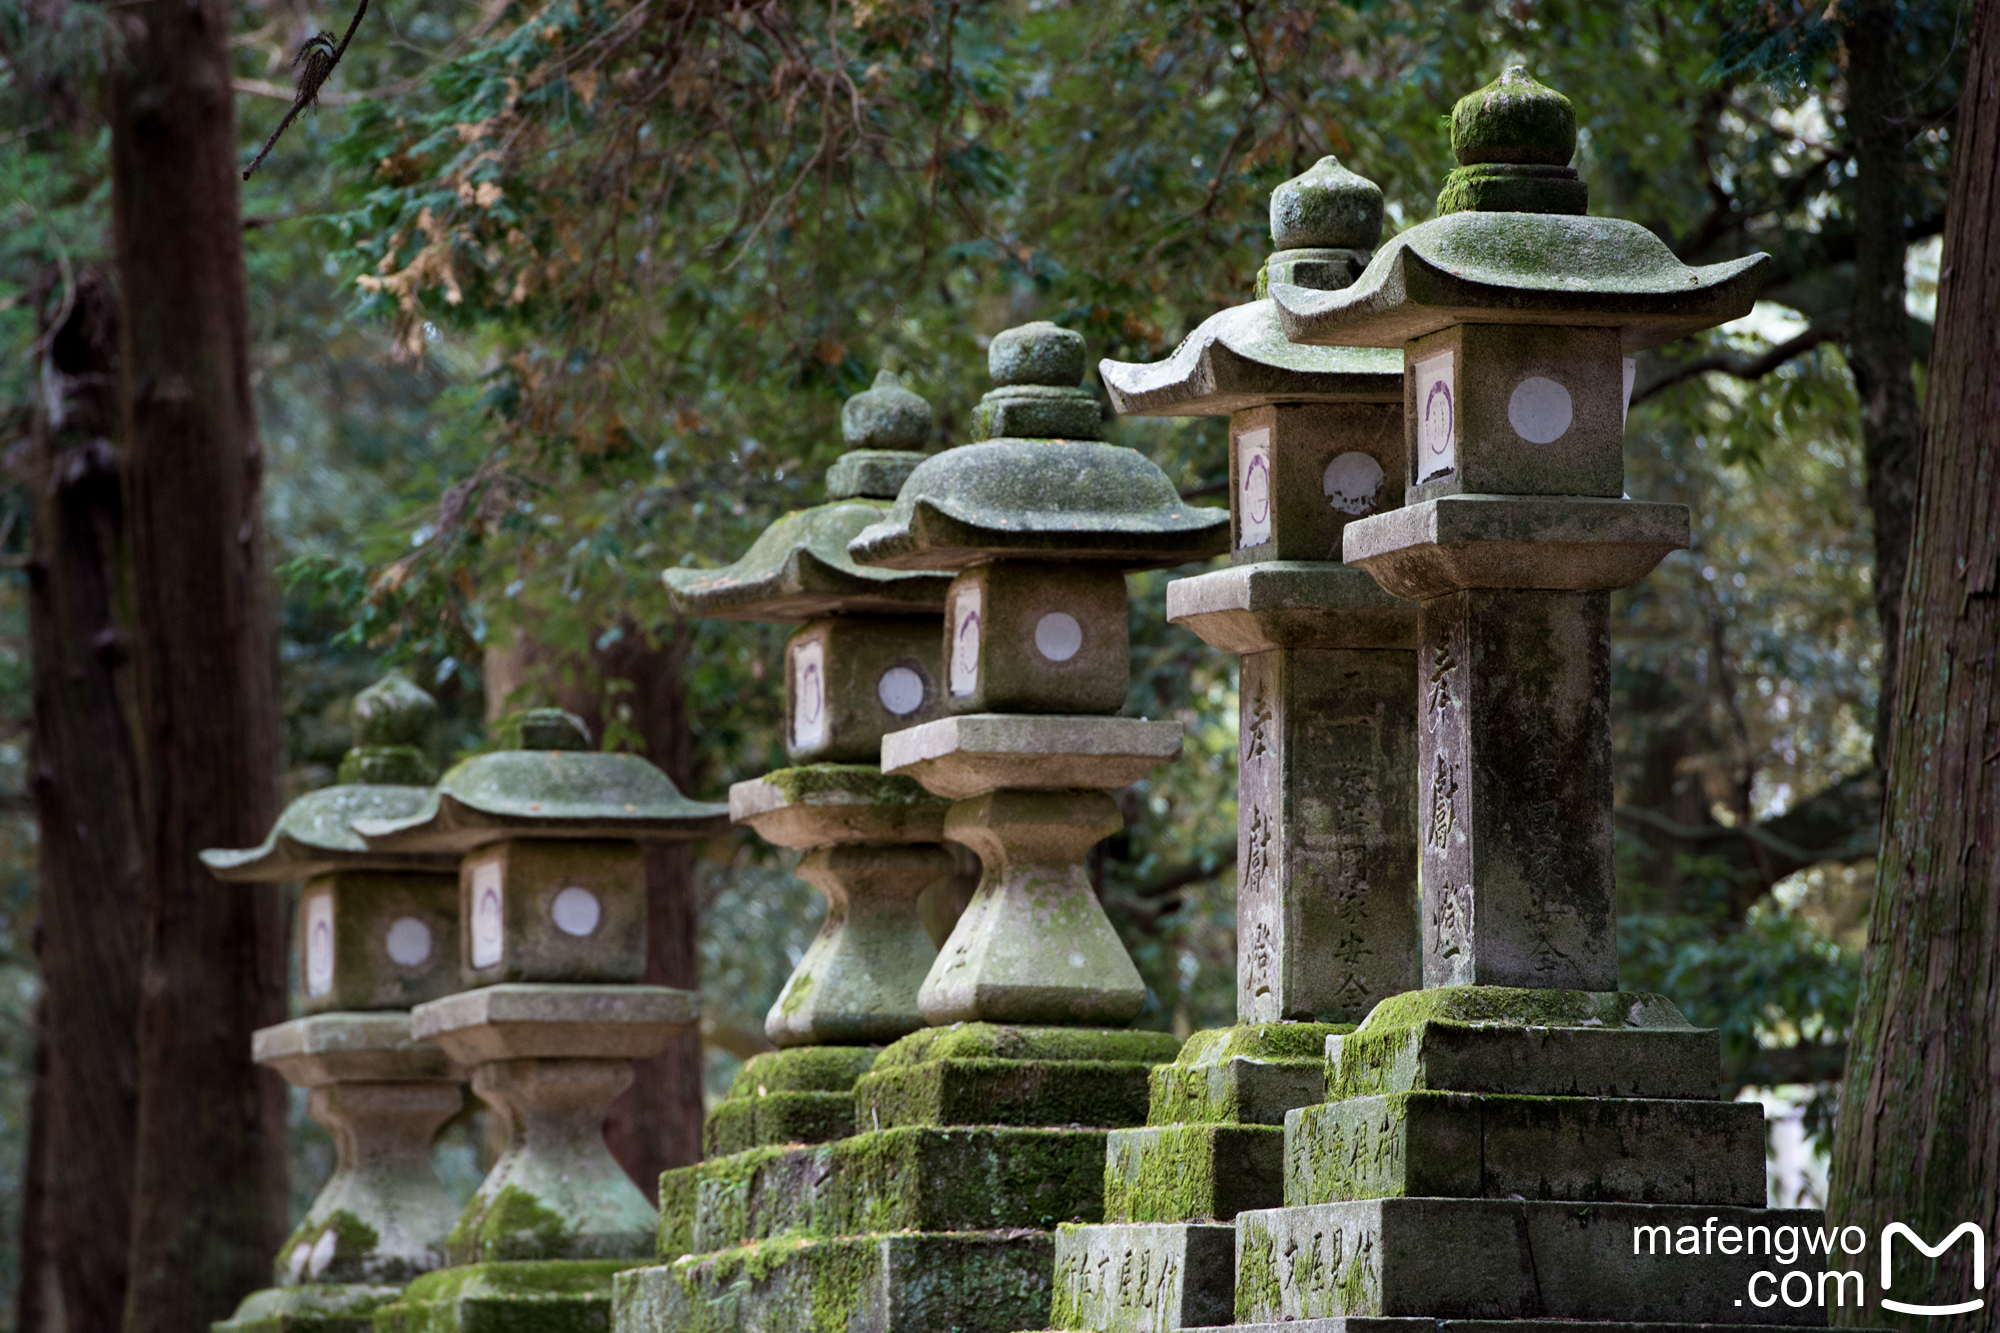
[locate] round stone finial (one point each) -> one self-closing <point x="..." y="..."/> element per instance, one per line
<point x="886" y="416"/>
<point x="1329" y="207"/>
<point x="392" y="711"/>
<point x="1514" y="121"/>
<point x="542" y="729"/>
<point x="1040" y="353"/>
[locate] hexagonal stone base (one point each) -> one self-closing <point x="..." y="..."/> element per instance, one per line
<point x="963" y="1282"/>
<point x="1507" y="1259"/>
<point x="1144" y="1278"/>
<point x="1180" y="1173"/>
<point x="1468" y="1146"/>
<point x="321" y="1307"/>
<point x="554" y="1296"/>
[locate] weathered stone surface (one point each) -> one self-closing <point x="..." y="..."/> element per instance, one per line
<point x="1303" y="472"/>
<point x="1075" y="500"/>
<point x="1197" y="1172"/>
<point x="1514" y="783"/>
<point x="528" y="1297"/>
<point x="328" y="1048"/>
<point x="799" y="569"/>
<point x="1572" y="544"/>
<point x="827" y="805"/>
<point x="383" y="1214"/>
<point x="1291" y="604"/>
<point x="525" y="1021"/>
<point x="1535" y="1042"/>
<point x="988" y="1074"/>
<point x="970" y="756"/>
<point x="546" y="794"/>
<point x="1033" y="946"/>
<point x="885" y="417"/>
<point x="1251" y="1074"/>
<point x="1240" y="358"/>
<point x="1326" y="206"/>
<point x="1327" y="838"/>
<point x="1027" y="637"/>
<point x="851" y="679"/>
<point x="1513" y="139"/>
<point x="556" y="1192"/>
<point x="549" y="910"/>
<point x="859" y="978"/>
<point x="1523" y="268"/>
<point x="780" y="1117"/>
<point x="872" y="474"/>
<point x="1464" y="1145"/>
<point x="376" y="939"/>
<point x="309" y="1308"/>
<point x="1504" y="1259"/>
<point x="315" y="836"/>
<point x="1142" y="1279"/>
<point x="963" y="1282"/>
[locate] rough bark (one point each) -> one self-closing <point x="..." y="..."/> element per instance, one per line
<point x="85" y="786"/>
<point x="32" y="1298"/>
<point x="1918" y="1137"/>
<point x="656" y="1123"/>
<point x="208" y="1204"/>
<point x="1878" y="340"/>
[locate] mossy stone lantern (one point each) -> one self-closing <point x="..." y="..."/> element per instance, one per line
<point x="864" y="662"/>
<point x="375" y="936"/>
<point x="1039" y="524"/>
<point x="552" y="894"/>
<point x="1493" y="1142"/>
<point x="1514" y="327"/>
<point x="1326" y="900"/>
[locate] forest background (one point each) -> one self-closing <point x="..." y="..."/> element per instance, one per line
<point x="546" y="297"/>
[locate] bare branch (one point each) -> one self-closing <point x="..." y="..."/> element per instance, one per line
<point x="319" y="57"/>
<point x="1747" y="366"/>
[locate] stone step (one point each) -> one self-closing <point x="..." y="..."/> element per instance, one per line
<point x="1001" y="1074"/>
<point x="1249" y="1074"/>
<point x="776" y="1118"/>
<point x="548" y="1296"/>
<point x="1186" y="1173"/>
<point x="1468" y="1145"/>
<point x="922" y="1178"/>
<point x="911" y="1282"/>
<point x="1143" y="1278"/>
<point x="1510" y="1259"/>
<point x="1500" y="1039"/>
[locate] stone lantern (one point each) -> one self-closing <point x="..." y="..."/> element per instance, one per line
<point x="1499" y="1143"/>
<point x="1326" y="901"/>
<point x="863" y="662"/>
<point x="375" y="933"/>
<point x="552" y="901"/>
<point x="977" y="1135"/>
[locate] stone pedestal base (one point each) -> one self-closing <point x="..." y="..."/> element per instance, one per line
<point x="315" y="1307"/>
<point x="561" y="1296"/>
<point x="1144" y="1277"/>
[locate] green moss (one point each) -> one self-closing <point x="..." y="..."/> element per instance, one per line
<point x="679" y="1189"/>
<point x="937" y="1179"/>
<point x="864" y="783"/>
<point x="803" y="1069"/>
<point x="554" y="1296"/>
<point x="781" y="1117"/>
<point x="1101" y="1094"/>
<point x="310" y="1308"/>
<point x="511" y="1225"/>
<point x="1251" y="1073"/>
<point x="796" y="990"/>
<point x="1192" y="1173"/>
<point x="1514" y="120"/>
<point x="1259" y="1290"/>
<point x="999" y="1041"/>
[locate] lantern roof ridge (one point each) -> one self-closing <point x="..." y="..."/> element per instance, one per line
<point x="1523" y="268"/>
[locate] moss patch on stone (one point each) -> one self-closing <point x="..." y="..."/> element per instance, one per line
<point x="782" y="1117"/>
<point x="1251" y="1073"/>
<point x="555" y="1296"/>
<point x="1192" y="1173"/>
<point x="1001" y="1041"/>
<point x="1098" y="1093"/>
<point x="512" y="1225"/>
<point x="863" y="784"/>
<point x="309" y="1308"/>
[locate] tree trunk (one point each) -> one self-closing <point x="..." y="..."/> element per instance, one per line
<point x="32" y="1298"/>
<point x="1878" y="344"/>
<point x="85" y="785"/>
<point x="208" y="1203"/>
<point x="1918" y="1136"/>
<point x="656" y="1123"/>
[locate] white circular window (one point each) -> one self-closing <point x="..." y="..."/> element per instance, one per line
<point x="1058" y="636"/>
<point x="901" y="690"/>
<point x="1352" y="483"/>
<point x="576" y="911"/>
<point x="1539" y="410"/>
<point x="409" y="942"/>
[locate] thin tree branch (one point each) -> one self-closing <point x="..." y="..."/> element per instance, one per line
<point x="320" y="57"/>
<point x="1746" y="366"/>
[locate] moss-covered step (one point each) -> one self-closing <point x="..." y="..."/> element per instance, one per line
<point x="1249" y="1074"/>
<point x="1467" y="1145"/>
<point x="1143" y="1279"/>
<point x="1179" y="1173"/>
<point x="996" y="1074"/>
<point x="558" y="1296"/>
<point x="1552" y="1043"/>
<point x="958" y="1282"/>
<point x="313" y="1307"/>
<point x="801" y="1095"/>
<point x="1512" y="1259"/>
